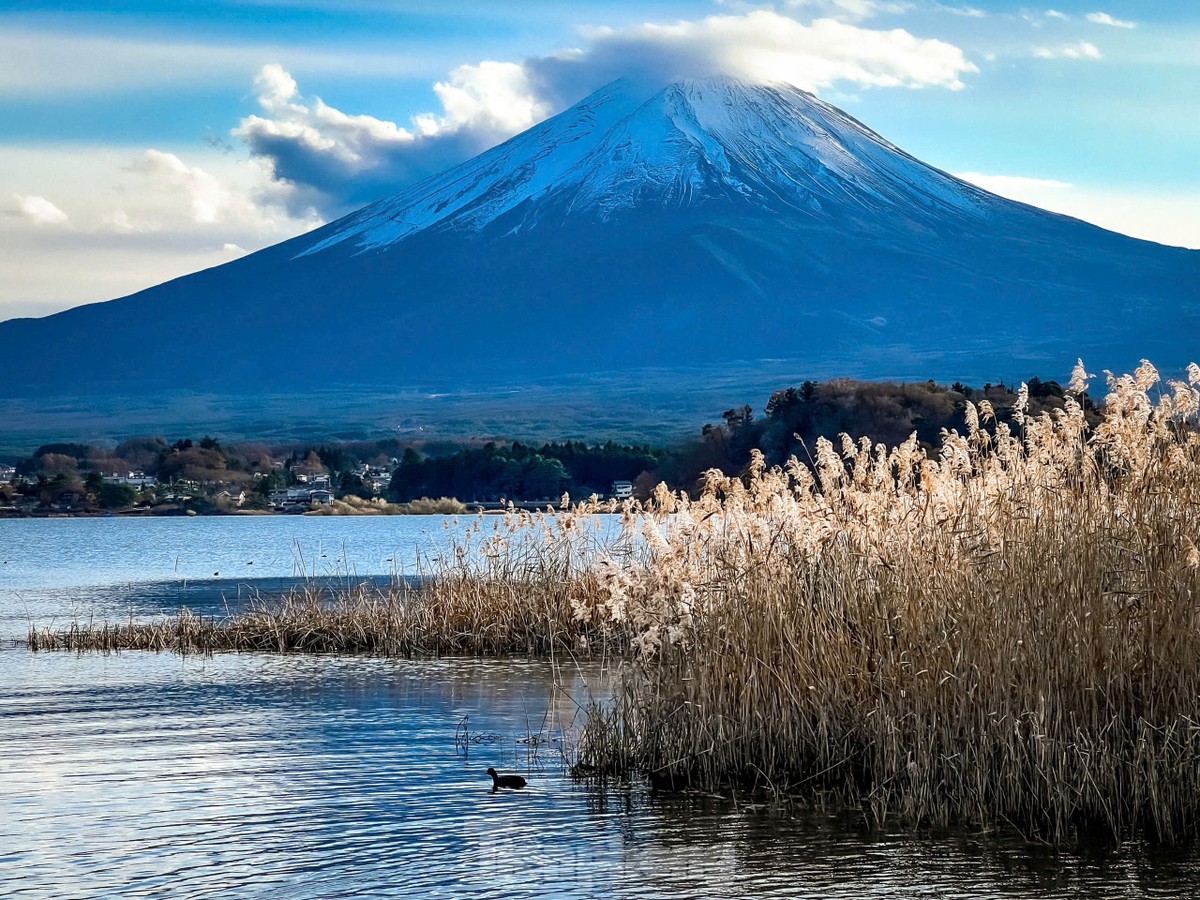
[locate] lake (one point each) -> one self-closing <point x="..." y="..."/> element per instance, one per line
<point x="258" y="775"/>
<point x="54" y="570"/>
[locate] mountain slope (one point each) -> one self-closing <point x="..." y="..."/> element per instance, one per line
<point x="678" y="230"/>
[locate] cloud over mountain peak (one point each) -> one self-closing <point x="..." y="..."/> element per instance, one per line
<point x="331" y="161"/>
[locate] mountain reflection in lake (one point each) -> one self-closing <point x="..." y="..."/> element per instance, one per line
<point x="254" y="775"/>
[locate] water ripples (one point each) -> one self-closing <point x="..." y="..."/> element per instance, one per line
<point x="253" y="776"/>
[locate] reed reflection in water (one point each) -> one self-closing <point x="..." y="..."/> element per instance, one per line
<point x="154" y="775"/>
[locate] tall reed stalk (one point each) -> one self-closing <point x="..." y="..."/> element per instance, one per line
<point x="1010" y="633"/>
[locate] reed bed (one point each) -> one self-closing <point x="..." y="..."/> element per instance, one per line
<point x="512" y="583"/>
<point x="351" y="505"/>
<point x="1010" y="633"/>
<point x="1006" y="633"/>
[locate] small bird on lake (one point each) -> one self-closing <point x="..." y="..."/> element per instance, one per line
<point x="666" y="780"/>
<point x="505" y="781"/>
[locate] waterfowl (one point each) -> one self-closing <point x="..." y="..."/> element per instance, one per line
<point x="505" y="781"/>
<point x="667" y="780"/>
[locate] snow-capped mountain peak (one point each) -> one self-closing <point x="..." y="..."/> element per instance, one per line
<point x="717" y="140"/>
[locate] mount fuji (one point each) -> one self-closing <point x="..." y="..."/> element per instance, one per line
<point x="654" y="236"/>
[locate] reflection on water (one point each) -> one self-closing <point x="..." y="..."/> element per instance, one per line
<point x="263" y="774"/>
<point x="251" y="775"/>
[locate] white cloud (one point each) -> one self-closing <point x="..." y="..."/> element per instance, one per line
<point x="851" y="10"/>
<point x="495" y="96"/>
<point x="969" y="12"/>
<point x="276" y="89"/>
<point x="324" y="159"/>
<point x="40" y="211"/>
<point x="1040" y="18"/>
<point x="211" y="201"/>
<point x="120" y="222"/>
<point x="233" y="249"/>
<point x="766" y="46"/>
<point x="136" y="219"/>
<point x="333" y="161"/>
<point x="1081" y="50"/>
<point x="1103" y="18"/>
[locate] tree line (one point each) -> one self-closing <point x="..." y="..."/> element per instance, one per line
<point x="517" y="471"/>
<point x="789" y="424"/>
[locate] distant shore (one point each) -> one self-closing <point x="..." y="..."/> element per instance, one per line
<point x="487" y="508"/>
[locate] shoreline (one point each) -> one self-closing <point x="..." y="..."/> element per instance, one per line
<point x="488" y="508"/>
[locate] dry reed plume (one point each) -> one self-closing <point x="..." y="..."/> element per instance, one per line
<point x="1009" y="632"/>
<point x="351" y="505"/>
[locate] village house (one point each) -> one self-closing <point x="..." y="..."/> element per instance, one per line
<point x="378" y="483"/>
<point x="133" y="479"/>
<point x="300" y="495"/>
<point x="313" y="481"/>
<point x="66" y="501"/>
<point x="377" y="478"/>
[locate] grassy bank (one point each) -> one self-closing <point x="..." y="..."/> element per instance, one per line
<point x="1007" y="634"/>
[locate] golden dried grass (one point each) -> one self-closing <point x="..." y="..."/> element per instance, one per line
<point x="1010" y="633"/>
<point x="351" y="505"/>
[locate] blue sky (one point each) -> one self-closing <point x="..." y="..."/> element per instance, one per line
<point x="140" y="141"/>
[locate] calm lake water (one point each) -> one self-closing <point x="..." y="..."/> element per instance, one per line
<point x="256" y="775"/>
<point x="56" y="570"/>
